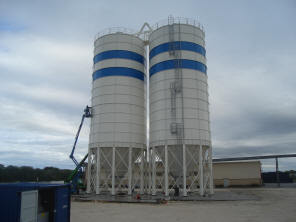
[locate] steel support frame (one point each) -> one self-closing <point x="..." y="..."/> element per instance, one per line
<point x="104" y="166"/>
<point x="166" y="171"/>
<point x="201" y="171"/>
<point x="201" y="160"/>
<point x="153" y="159"/>
<point x="92" y="168"/>
<point x="113" y="171"/>
<point x="184" y="171"/>
<point x="98" y="171"/>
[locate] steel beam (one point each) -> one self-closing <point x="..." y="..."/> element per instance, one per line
<point x="153" y="172"/>
<point x="201" y="184"/>
<point x="210" y="153"/>
<point x="142" y="173"/>
<point x="98" y="171"/>
<point x="254" y="157"/>
<point x="149" y="171"/>
<point x="184" y="171"/>
<point x="166" y="170"/>
<point x="113" y="171"/>
<point x="129" y="171"/>
<point x="88" y="172"/>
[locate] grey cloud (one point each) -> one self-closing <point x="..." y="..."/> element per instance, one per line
<point x="251" y="53"/>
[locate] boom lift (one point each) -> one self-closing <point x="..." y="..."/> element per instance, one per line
<point x="75" y="177"/>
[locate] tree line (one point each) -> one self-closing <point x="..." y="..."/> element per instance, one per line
<point x="27" y="173"/>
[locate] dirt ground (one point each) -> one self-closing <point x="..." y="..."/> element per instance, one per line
<point x="273" y="204"/>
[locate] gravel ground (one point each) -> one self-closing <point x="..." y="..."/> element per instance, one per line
<point x="273" y="204"/>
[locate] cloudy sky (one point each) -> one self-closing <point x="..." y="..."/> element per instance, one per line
<point x="46" y="65"/>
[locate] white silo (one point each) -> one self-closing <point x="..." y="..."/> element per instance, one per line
<point x="118" y="124"/>
<point x="180" y="138"/>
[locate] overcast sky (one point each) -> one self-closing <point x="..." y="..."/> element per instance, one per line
<point x="46" y="51"/>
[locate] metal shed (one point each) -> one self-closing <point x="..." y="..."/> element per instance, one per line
<point x="35" y="202"/>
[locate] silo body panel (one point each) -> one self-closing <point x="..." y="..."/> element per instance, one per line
<point x="118" y="93"/>
<point x="179" y="136"/>
<point x="190" y="105"/>
<point x="118" y="125"/>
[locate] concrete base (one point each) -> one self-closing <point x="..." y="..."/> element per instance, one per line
<point x="221" y="195"/>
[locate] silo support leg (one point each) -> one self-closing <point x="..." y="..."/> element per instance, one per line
<point x="153" y="172"/>
<point x="166" y="170"/>
<point x="142" y="173"/>
<point x="129" y="171"/>
<point x="211" y="170"/>
<point x="149" y="171"/>
<point x="88" y="173"/>
<point x="113" y="172"/>
<point x="98" y="171"/>
<point x="184" y="171"/>
<point x="200" y="162"/>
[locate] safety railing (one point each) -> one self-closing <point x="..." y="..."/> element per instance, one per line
<point x="177" y="20"/>
<point x="115" y="30"/>
<point x="169" y="21"/>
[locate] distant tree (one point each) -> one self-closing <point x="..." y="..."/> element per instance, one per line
<point x="28" y="173"/>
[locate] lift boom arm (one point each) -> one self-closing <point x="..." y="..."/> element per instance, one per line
<point x="75" y="171"/>
<point x="86" y="114"/>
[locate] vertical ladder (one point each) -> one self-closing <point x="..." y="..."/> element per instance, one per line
<point x="176" y="89"/>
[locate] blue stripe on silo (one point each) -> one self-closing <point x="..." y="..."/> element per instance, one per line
<point x="178" y="63"/>
<point x="179" y="45"/>
<point x="119" y="54"/>
<point x="118" y="71"/>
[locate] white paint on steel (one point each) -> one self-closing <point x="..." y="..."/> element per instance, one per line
<point x="113" y="171"/>
<point x="118" y="124"/>
<point x="195" y="92"/>
<point x="211" y="171"/>
<point x="166" y="170"/>
<point x="185" y="55"/>
<point x="118" y="102"/>
<point x="129" y="171"/>
<point x="184" y="171"/>
<point x="149" y="171"/>
<point x="189" y="108"/>
<point x="88" y="174"/>
<point x="142" y="173"/>
<point x="201" y="175"/>
<point x="98" y="172"/>
<point x="153" y="171"/>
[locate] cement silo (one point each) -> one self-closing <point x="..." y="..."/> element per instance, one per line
<point x="118" y="125"/>
<point x="180" y="138"/>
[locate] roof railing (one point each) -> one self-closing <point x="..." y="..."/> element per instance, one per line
<point x="114" y="30"/>
<point x="145" y="34"/>
<point x="177" y="20"/>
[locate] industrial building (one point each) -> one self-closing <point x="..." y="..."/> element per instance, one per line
<point x="237" y="173"/>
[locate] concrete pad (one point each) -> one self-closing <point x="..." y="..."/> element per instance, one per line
<point x="221" y="195"/>
<point x="271" y="205"/>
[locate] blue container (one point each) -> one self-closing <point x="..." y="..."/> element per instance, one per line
<point x="56" y="198"/>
